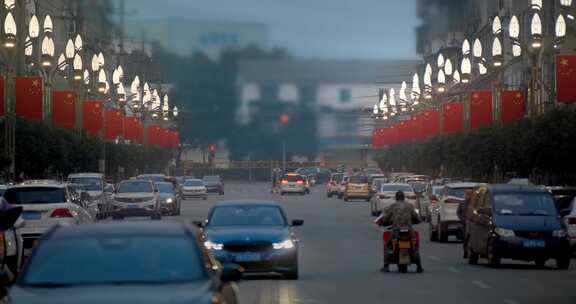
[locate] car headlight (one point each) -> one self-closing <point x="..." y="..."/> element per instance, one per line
<point x="504" y="232"/>
<point x="213" y="246"/>
<point x="169" y="200"/>
<point x="288" y="244"/>
<point x="560" y="233"/>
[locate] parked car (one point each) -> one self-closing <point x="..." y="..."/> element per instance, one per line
<point x="358" y="187"/>
<point x="93" y="184"/>
<point x="569" y="218"/>
<point x="132" y="262"/>
<point x="293" y="183"/>
<point x="444" y="219"/>
<point x="253" y="234"/>
<point x="430" y="201"/>
<point x="169" y="199"/>
<point x="214" y="184"/>
<point x="517" y="222"/>
<point x="386" y="196"/>
<point x="136" y="198"/>
<point x="375" y="185"/>
<point x="332" y="186"/>
<point x="194" y="188"/>
<point x="44" y="204"/>
<point x="11" y="257"/>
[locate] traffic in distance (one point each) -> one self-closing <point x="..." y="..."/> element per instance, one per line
<point x="83" y="234"/>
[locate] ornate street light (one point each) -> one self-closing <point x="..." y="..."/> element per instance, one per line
<point x="441" y="79"/>
<point x="175" y="111"/>
<point x="466" y="47"/>
<point x="102" y="81"/>
<point x="477" y="48"/>
<point x="70" y="50"/>
<point x="497" y="56"/>
<point x="560" y="27"/>
<point x="34" y="27"/>
<point x="466" y="69"/>
<point x="415" y="89"/>
<point x="10" y="31"/>
<point x="536" y="31"/>
<point x="78" y="44"/>
<point x="47" y="52"/>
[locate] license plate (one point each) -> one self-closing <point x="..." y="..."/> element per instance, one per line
<point x="133" y="207"/>
<point x="247" y="257"/>
<point x="534" y="243"/>
<point x="28" y="215"/>
<point x="404" y="245"/>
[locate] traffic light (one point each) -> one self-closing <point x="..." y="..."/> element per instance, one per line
<point x="212" y="148"/>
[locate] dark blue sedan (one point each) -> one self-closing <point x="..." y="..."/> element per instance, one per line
<point x="253" y="234"/>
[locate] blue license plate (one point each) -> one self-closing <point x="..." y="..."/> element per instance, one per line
<point x="534" y="243"/>
<point x="133" y="207"/>
<point x="247" y="257"/>
<point x="30" y="215"/>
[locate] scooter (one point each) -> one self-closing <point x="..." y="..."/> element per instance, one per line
<point x="401" y="247"/>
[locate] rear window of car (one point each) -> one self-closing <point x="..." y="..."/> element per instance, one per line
<point x="358" y="180"/>
<point x="293" y="178"/>
<point x="35" y="195"/>
<point x="458" y="192"/>
<point x="395" y="188"/>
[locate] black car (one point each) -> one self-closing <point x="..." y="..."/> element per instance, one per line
<point x="253" y="234"/>
<point x="214" y="184"/>
<point x="516" y="222"/>
<point x="136" y="262"/>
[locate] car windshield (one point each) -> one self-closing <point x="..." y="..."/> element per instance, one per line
<point x="165" y="187"/>
<point x="246" y="216"/>
<point x="194" y="183"/>
<point x="35" y="195"/>
<point x="419" y="187"/>
<point x="114" y="261"/>
<point x="395" y="188"/>
<point x="358" y="180"/>
<point x="524" y="204"/>
<point x="211" y="179"/>
<point x="89" y="183"/>
<point x="135" y="187"/>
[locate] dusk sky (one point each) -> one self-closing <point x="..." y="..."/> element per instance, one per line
<point x="308" y="28"/>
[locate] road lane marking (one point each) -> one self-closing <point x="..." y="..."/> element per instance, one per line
<point x="481" y="284"/>
<point x="434" y="258"/>
<point x="454" y="270"/>
<point x="511" y="302"/>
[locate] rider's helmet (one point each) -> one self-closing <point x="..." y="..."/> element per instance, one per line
<point x="400" y="195"/>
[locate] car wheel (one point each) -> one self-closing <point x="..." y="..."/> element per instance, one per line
<point x="346" y="198"/>
<point x="442" y="234"/>
<point x="432" y="234"/>
<point x="340" y="196"/>
<point x="403" y="268"/>
<point x="563" y="263"/>
<point x="540" y="263"/>
<point x="472" y="256"/>
<point x="493" y="257"/>
<point x="156" y="217"/>
<point x="329" y="194"/>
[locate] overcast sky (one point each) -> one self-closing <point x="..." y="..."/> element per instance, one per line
<point x="308" y="28"/>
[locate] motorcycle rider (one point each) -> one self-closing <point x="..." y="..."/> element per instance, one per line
<point x="401" y="214"/>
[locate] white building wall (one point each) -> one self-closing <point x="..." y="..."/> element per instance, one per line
<point x="248" y="93"/>
<point x="288" y="92"/>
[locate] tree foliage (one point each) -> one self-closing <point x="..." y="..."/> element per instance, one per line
<point x="542" y="148"/>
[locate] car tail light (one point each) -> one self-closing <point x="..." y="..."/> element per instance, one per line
<point x="572" y="221"/>
<point x="61" y="212"/>
<point x="284" y="181"/>
<point x="300" y="182"/>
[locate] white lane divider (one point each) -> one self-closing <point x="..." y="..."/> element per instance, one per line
<point x="481" y="284"/>
<point x="511" y="302"/>
<point x="454" y="270"/>
<point x="434" y="258"/>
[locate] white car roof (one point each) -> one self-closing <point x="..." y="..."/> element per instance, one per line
<point x="38" y="185"/>
<point x="463" y="185"/>
<point x="75" y="175"/>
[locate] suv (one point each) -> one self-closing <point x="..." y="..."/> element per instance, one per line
<point x="517" y="222"/>
<point x="293" y="183"/>
<point x="44" y="204"/>
<point x="444" y="220"/>
<point x="386" y="196"/>
<point x="357" y="188"/>
<point x="214" y="184"/>
<point x="332" y="186"/>
<point x="93" y="184"/>
<point x="138" y="197"/>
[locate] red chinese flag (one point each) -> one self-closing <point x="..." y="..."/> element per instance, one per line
<point x="29" y="98"/>
<point x="154" y="133"/>
<point x="165" y="138"/>
<point x="114" y="124"/>
<point x="513" y="106"/>
<point x="92" y="117"/>
<point x="176" y="139"/>
<point x="418" y="127"/>
<point x="64" y="109"/>
<point x="131" y="128"/>
<point x="378" y="138"/>
<point x="453" y="114"/>
<point x="404" y="133"/>
<point x="480" y="109"/>
<point x="393" y="135"/>
<point x="566" y="78"/>
<point x="2" y="95"/>
<point x="430" y="124"/>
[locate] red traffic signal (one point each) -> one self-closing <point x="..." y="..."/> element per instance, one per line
<point x="212" y="148"/>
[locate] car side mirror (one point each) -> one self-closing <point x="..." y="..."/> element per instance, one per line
<point x="5" y="279"/>
<point x="231" y="273"/>
<point x="565" y="212"/>
<point x="296" y="223"/>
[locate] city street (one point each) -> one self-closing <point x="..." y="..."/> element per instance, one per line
<point x="340" y="254"/>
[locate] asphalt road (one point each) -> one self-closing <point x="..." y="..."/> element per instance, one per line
<point x="340" y="256"/>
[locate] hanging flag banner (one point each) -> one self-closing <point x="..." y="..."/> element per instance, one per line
<point x="29" y="98"/>
<point x="453" y="115"/>
<point x="64" y="109"/>
<point x="430" y="124"/>
<point x="566" y="78"/>
<point x="114" y="124"/>
<point x="480" y="109"/>
<point x="132" y="128"/>
<point x="92" y="117"/>
<point x="154" y="135"/>
<point x="513" y="106"/>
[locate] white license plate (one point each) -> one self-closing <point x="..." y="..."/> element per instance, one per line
<point x="247" y="257"/>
